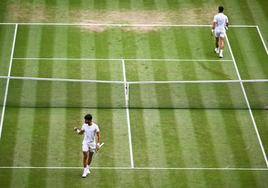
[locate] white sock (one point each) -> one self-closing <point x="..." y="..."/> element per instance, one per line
<point x="87" y="167"/>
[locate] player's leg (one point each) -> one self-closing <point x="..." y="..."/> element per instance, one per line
<point x="85" y="159"/>
<point x="221" y="46"/>
<point x="216" y="42"/>
<point x="90" y="156"/>
<point x="92" y="150"/>
<point x="85" y="150"/>
<point x="85" y="162"/>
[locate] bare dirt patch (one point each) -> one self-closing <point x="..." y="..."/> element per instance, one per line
<point x="41" y="13"/>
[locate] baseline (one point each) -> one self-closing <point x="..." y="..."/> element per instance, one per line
<point x="115" y="59"/>
<point x="126" y="83"/>
<point x="120" y="24"/>
<point x="136" y="168"/>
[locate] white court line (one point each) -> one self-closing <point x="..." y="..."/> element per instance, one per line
<point x="248" y="105"/>
<point x="62" y="80"/>
<point x="7" y="83"/>
<point x="115" y="59"/>
<point x="263" y="42"/>
<point x="198" y="81"/>
<point x="126" y="84"/>
<point x="136" y="168"/>
<point x="128" y="116"/>
<point x="122" y="24"/>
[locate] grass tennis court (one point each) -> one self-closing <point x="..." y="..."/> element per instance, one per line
<point x="171" y="113"/>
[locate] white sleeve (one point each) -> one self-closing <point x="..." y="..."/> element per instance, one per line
<point x="214" y="19"/>
<point x="97" y="129"/>
<point x="83" y="127"/>
<point x="227" y="21"/>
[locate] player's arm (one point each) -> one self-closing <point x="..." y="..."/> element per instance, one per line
<point x="79" y="131"/>
<point x="98" y="137"/>
<point x="227" y="23"/>
<point x="213" y="26"/>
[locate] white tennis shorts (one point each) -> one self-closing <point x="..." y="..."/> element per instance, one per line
<point x="91" y="147"/>
<point x="220" y="33"/>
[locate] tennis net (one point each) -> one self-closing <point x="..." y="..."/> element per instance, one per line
<point x="206" y="94"/>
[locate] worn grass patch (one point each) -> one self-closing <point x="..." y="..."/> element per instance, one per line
<point x="42" y="13"/>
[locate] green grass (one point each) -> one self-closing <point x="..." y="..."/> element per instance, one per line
<point x="78" y="69"/>
<point x="179" y="70"/>
<point x="172" y="125"/>
<point x="135" y="178"/>
<point x="262" y="120"/>
<point x="248" y="48"/>
<point x="43" y="113"/>
<point x="219" y="138"/>
<point x="6" y="38"/>
<point x="53" y="142"/>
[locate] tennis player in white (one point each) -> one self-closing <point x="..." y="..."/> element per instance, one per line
<point x="219" y="27"/>
<point x="89" y="145"/>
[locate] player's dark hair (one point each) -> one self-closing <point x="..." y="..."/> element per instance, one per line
<point x="221" y="8"/>
<point x="88" y="117"/>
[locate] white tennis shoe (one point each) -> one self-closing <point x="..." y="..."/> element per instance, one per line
<point x="221" y="54"/>
<point x="85" y="173"/>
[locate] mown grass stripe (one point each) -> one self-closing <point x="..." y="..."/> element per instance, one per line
<point x="130" y="50"/>
<point x="39" y="143"/>
<point x="207" y="149"/>
<point x="153" y="141"/>
<point x="105" y="92"/>
<point x="238" y="150"/>
<point x="23" y="138"/>
<point x="56" y="144"/>
<point x="248" y="105"/>
<point x="256" y="11"/>
<point x="250" y="141"/>
<point x="142" y="100"/>
<point x="141" y="148"/>
<point x="22" y="154"/>
<point x="199" y="132"/>
<point x="261" y="117"/>
<point x="9" y="141"/>
<point x="254" y="53"/>
<point x="72" y="142"/>
<point x="6" y="35"/>
<point x="72" y="43"/>
<point x="169" y="138"/>
<point x="102" y="91"/>
<point x="39" y="152"/>
<point x="147" y="156"/>
<point x="187" y="140"/>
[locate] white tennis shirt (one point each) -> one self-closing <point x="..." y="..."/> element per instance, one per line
<point x="220" y="19"/>
<point x="90" y="133"/>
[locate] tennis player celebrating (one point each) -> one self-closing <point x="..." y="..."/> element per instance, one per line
<point x="89" y="145"/>
<point x="219" y="26"/>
